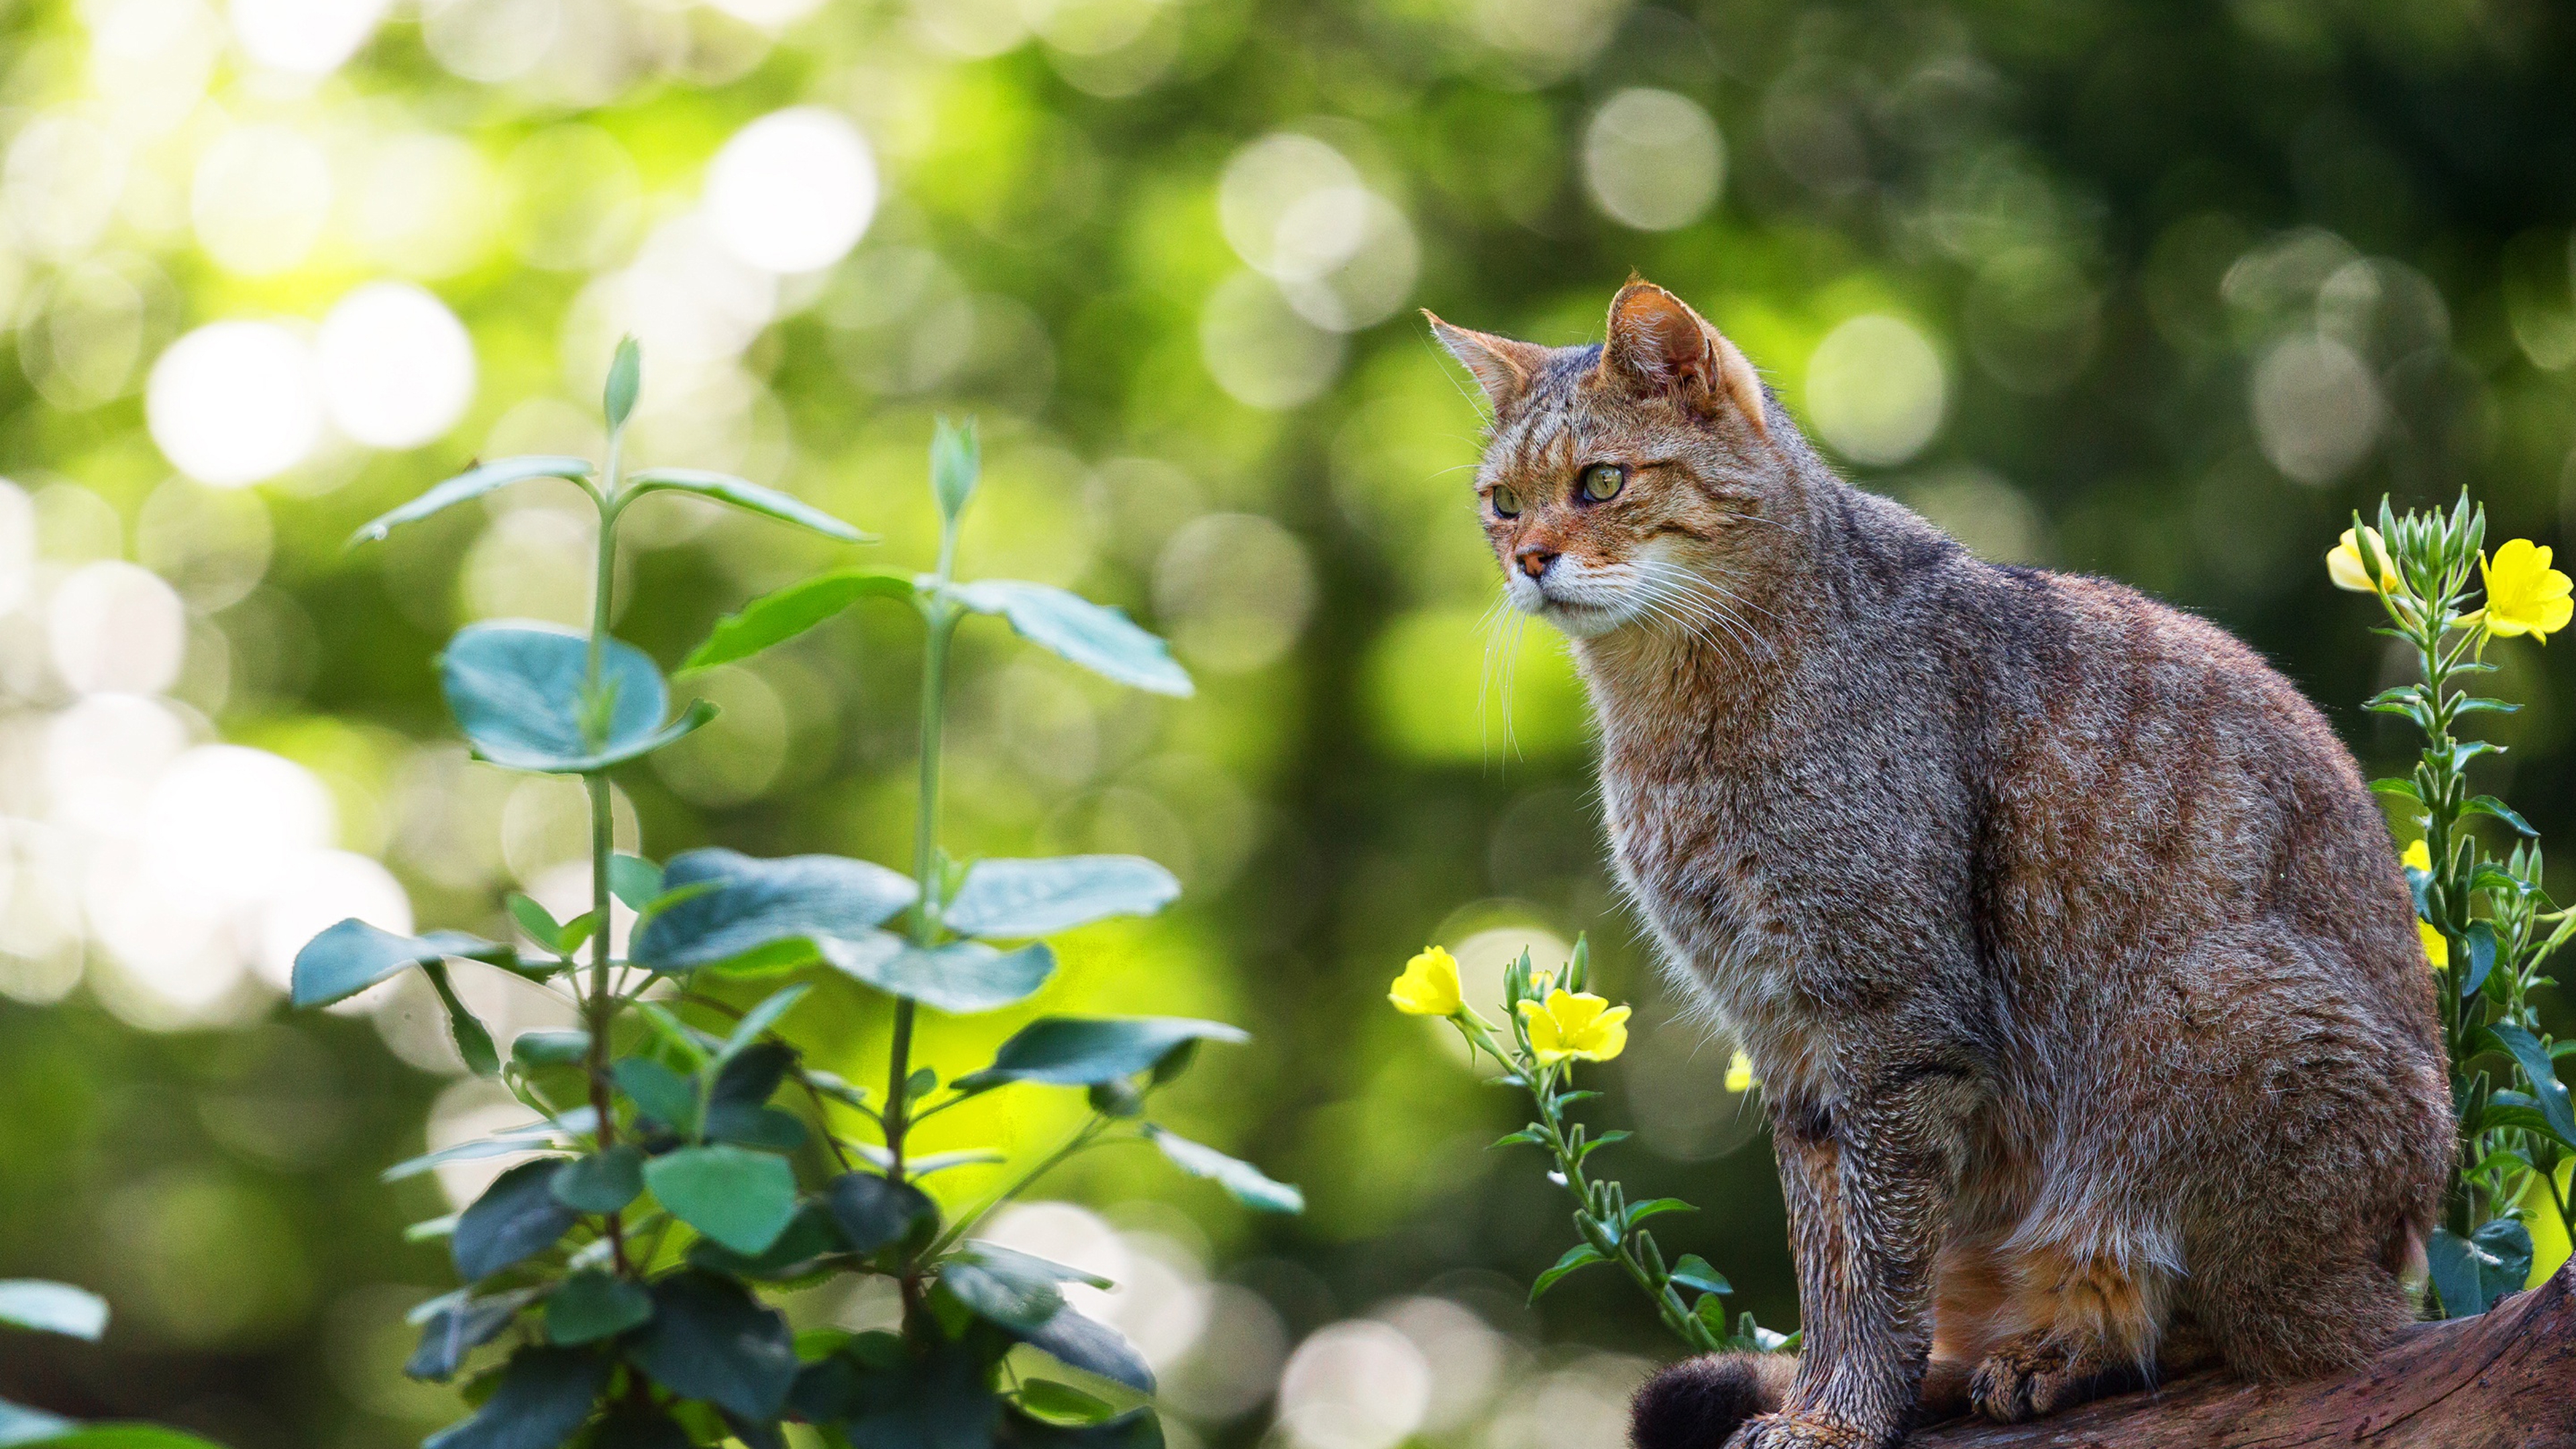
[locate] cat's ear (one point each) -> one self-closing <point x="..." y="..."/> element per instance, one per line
<point x="1656" y="343"/>
<point x="1503" y="367"/>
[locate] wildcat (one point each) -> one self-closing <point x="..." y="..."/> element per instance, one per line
<point x="2095" y="1033"/>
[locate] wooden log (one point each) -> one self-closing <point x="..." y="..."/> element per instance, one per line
<point x="2503" y="1380"/>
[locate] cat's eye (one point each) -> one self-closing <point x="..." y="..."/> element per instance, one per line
<point x="1602" y="481"/>
<point x="1507" y="503"/>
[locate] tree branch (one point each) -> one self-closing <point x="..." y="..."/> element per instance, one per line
<point x="2499" y="1381"/>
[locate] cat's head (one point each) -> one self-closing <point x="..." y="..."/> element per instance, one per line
<point x="1621" y="482"/>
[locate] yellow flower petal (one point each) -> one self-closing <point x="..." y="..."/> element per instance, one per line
<point x="2344" y="565"/>
<point x="1739" y="1074"/>
<point x="1571" y="1025"/>
<point x="2419" y="855"/>
<point x="2524" y="594"/>
<point x="1429" y="985"/>
<point x="2437" y="947"/>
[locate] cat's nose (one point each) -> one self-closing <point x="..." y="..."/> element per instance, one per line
<point x="1534" y="560"/>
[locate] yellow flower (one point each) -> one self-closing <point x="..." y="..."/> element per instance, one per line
<point x="2344" y="565"/>
<point x="2524" y="594"/>
<point x="2420" y="856"/>
<point x="1739" y="1074"/>
<point x="2437" y="948"/>
<point x="1575" y="1025"/>
<point x="1429" y="985"/>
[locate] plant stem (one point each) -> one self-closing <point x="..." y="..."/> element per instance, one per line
<point x="941" y="617"/>
<point x="1084" y="1137"/>
<point x="1657" y="1287"/>
<point x="602" y="1004"/>
<point x="925" y="837"/>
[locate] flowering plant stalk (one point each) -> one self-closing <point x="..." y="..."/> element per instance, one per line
<point x="2488" y="926"/>
<point x="1553" y="1022"/>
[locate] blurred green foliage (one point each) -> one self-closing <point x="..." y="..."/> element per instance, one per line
<point x="2151" y="291"/>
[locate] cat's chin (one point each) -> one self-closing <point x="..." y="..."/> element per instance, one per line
<point x="1583" y="621"/>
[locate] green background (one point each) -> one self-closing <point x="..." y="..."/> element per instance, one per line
<point x="2152" y="291"/>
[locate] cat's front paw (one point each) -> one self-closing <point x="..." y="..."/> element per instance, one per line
<point x="1800" y="1431"/>
<point x="2033" y="1376"/>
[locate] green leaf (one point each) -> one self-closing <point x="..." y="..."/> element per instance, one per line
<point x="1581" y="1255"/>
<point x="2471" y="1273"/>
<point x="811" y="1236"/>
<point x="101" y="1436"/>
<point x="603" y="1182"/>
<point x="2490" y="805"/>
<point x="2542" y="1074"/>
<point x="961" y="977"/>
<point x="517" y="1218"/>
<point x="1693" y="1271"/>
<point x="625" y="381"/>
<point x="874" y="1213"/>
<point x="537" y="922"/>
<point x="1526" y="1137"/>
<point x="528" y="1137"/>
<point x="566" y="1047"/>
<point x="768" y="1127"/>
<point x="1029" y="1265"/>
<point x="591" y="1305"/>
<point x="458" y="1323"/>
<point x="2481" y="953"/>
<point x="1639" y="1212"/>
<point x="2397" y="785"/>
<point x="545" y="1397"/>
<point x="1606" y="1139"/>
<point x="660" y="1093"/>
<point x="956" y="460"/>
<point x="741" y="1198"/>
<point x="938" y="1398"/>
<point x="22" y="1425"/>
<point x="1135" y="1429"/>
<point x="1002" y="1291"/>
<point x="49" y="1307"/>
<point x="1098" y="638"/>
<point x="473" y="1040"/>
<point x="1018" y="899"/>
<point x="775" y="618"/>
<point x="519" y="691"/>
<point x="1076" y="1051"/>
<point x="634" y="880"/>
<point x="1078" y="1340"/>
<point x="751" y="1074"/>
<point x="1063" y="1401"/>
<point x="760" y="1019"/>
<point x="1241" y="1180"/>
<point x="754" y="903"/>
<point x="709" y="1339"/>
<point x="749" y="496"/>
<point x="472" y="483"/>
<point x="352" y="956"/>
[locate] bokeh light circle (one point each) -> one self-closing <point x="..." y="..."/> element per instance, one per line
<point x="1653" y="159"/>
<point x="234" y="402"/>
<point x="397" y="368"/>
<point x="304" y="37"/>
<point x="1876" y="391"/>
<point x="792" y="191"/>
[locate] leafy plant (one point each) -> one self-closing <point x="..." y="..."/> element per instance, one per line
<point x="1556" y="1021"/>
<point x="677" y="1170"/>
<point x="43" y="1307"/>
<point x="2488" y="925"/>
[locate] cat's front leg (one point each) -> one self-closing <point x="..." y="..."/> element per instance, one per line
<point x="1868" y="1176"/>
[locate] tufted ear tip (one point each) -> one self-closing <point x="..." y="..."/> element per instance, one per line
<point x="1656" y="342"/>
<point x="1503" y="367"/>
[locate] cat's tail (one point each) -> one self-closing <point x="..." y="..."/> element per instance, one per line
<point x="1697" y="1403"/>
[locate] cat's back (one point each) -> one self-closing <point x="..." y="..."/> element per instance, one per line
<point x="2147" y="775"/>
